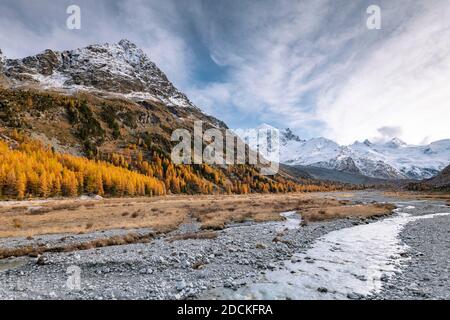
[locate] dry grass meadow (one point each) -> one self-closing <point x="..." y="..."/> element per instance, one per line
<point x="412" y="195"/>
<point x="163" y="214"/>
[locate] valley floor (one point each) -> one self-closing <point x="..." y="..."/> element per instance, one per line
<point x="181" y="258"/>
<point x="162" y="214"/>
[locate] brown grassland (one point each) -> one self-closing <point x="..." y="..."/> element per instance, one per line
<point x="414" y="195"/>
<point x="164" y="214"/>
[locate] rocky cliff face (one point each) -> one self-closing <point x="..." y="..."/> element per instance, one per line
<point x="112" y="69"/>
<point x="287" y="135"/>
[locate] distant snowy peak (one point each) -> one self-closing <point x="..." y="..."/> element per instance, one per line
<point x="117" y="69"/>
<point x="388" y="160"/>
<point x="396" y="143"/>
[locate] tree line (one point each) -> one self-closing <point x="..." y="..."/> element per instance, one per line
<point x="33" y="170"/>
<point x="30" y="169"/>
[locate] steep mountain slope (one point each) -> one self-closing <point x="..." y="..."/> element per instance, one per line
<point x="442" y="179"/>
<point x="341" y="176"/>
<point x="440" y="182"/>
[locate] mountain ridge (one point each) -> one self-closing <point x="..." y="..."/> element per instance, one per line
<point x="391" y="160"/>
<point x="117" y="69"/>
<point x="440" y="182"/>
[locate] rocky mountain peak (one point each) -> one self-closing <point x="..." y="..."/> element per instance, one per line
<point x="120" y="68"/>
<point x="129" y="46"/>
<point x="346" y="164"/>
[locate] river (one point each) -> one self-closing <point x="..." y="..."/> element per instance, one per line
<point x="347" y="263"/>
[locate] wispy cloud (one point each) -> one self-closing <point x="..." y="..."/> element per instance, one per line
<point x="315" y="66"/>
<point x="311" y="65"/>
<point x="400" y="83"/>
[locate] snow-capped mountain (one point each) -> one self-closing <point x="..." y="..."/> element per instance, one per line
<point x="389" y="160"/>
<point x="113" y="69"/>
<point x="411" y="161"/>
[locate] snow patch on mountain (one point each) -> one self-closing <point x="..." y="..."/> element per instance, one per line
<point x="119" y="69"/>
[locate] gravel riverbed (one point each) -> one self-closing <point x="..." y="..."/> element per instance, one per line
<point x="241" y="255"/>
<point x="426" y="272"/>
<point x="161" y="269"/>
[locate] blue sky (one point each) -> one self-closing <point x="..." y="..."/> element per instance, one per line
<point x="313" y="66"/>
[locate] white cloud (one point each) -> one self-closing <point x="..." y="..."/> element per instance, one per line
<point x="212" y="96"/>
<point x="155" y="26"/>
<point x="311" y="65"/>
<point x="279" y="59"/>
<point x="270" y="56"/>
<point x="389" y="132"/>
<point x="403" y="83"/>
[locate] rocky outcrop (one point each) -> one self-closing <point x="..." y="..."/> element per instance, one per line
<point x="287" y="135"/>
<point x="347" y="164"/>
